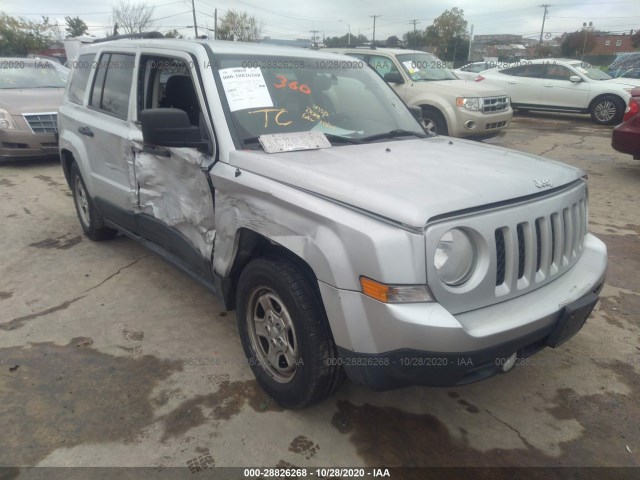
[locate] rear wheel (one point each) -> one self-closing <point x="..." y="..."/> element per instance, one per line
<point x="434" y="122"/>
<point x="607" y="110"/>
<point x="90" y="219"/>
<point x="285" y="335"/>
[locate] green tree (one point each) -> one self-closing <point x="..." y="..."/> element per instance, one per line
<point x="392" y="42"/>
<point x="19" y="36"/>
<point x="76" y="26"/>
<point x="447" y="26"/>
<point x="635" y="39"/>
<point x="343" y="41"/>
<point x="239" y="26"/>
<point x="575" y="43"/>
<point x="415" y="40"/>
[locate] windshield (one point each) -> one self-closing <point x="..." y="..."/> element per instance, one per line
<point x="29" y="74"/>
<point x="591" y="72"/>
<point x="344" y="99"/>
<point x="423" y="67"/>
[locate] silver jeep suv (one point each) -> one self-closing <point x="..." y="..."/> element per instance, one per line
<point x="298" y="187"/>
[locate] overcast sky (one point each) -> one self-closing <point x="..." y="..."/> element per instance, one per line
<point x="289" y="19"/>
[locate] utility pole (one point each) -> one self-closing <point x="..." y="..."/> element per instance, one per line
<point x="215" y="24"/>
<point x="195" y="24"/>
<point x="415" y="22"/>
<point x="544" y="17"/>
<point x="313" y="38"/>
<point x="470" y="43"/>
<point x="373" y="42"/>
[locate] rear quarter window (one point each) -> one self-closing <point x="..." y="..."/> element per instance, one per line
<point x="81" y="70"/>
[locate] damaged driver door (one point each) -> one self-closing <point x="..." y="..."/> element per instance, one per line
<point x="170" y="186"/>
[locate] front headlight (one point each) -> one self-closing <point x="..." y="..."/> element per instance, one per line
<point x="455" y="257"/>
<point x="6" y="122"/>
<point x="469" y="103"/>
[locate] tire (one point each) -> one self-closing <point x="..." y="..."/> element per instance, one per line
<point x="90" y="219"/>
<point x="607" y="110"/>
<point x="290" y="348"/>
<point x="434" y="122"/>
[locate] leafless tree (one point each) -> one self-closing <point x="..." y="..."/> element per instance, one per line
<point x="239" y="26"/>
<point x="132" y="17"/>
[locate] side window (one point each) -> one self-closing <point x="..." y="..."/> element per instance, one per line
<point x="382" y="65"/>
<point x="531" y="71"/>
<point x="168" y="84"/>
<point x="81" y="70"/>
<point x="112" y="84"/>
<point x="557" y="72"/>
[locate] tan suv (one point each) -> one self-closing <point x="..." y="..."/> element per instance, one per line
<point x="450" y="106"/>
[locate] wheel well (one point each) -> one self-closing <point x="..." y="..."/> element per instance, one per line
<point x="254" y="245"/>
<point x="436" y="110"/>
<point x="66" y="159"/>
<point x="600" y="97"/>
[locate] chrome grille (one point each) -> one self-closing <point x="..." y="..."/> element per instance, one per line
<point x="495" y="104"/>
<point x="530" y="252"/>
<point x="42" y="122"/>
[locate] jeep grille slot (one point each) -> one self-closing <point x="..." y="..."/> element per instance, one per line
<point x="500" y="261"/>
<point x="42" y="122"/>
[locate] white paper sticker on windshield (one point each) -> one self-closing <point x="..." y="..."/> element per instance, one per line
<point x="410" y="65"/>
<point x="245" y="88"/>
<point x="289" y="142"/>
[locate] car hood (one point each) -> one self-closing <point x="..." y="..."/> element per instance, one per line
<point x="410" y="181"/>
<point x="625" y="82"/>
<point x="460" y="88"/>
<point x="30" y="100"/>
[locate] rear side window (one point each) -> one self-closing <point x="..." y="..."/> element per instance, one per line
<point x="112" y="85"/>
<point x="81" y="70"/>
<point x="531" y="71"/>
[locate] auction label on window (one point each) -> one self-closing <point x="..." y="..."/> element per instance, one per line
<point x="289" y="142"/>
<point x="245" y="88"/>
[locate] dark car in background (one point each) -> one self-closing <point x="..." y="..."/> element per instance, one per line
<point x="30" y="94"/>
<point x="626" y="136"/>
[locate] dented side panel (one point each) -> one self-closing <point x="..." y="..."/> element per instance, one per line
<point x="340" y="244"/>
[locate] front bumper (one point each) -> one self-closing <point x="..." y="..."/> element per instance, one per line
<point x="388" y="346"/>
<point x="484" y="124"/>
<point x="22" y="145"/>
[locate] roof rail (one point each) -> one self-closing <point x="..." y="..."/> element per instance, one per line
<point x="130" y="36"/>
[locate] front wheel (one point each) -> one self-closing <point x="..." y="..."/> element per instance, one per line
<point x="433" y="122"/>
<point x="607" y="110"/>
<point x="285" y="334"/>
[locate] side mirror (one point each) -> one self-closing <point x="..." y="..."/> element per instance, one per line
<point x="575" y="79"/>
<point x="393" y="77"/>
<point x="416" y="112"/>
<point x="170" y="127"/>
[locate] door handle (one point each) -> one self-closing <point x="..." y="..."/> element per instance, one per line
<point x="511" y="82"/>
<point x="548" y="86"/>
<point x="85" y="131"/>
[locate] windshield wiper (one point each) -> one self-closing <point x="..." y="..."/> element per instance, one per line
<point x="393" y="134"/>
<point x="340" y="139"/>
